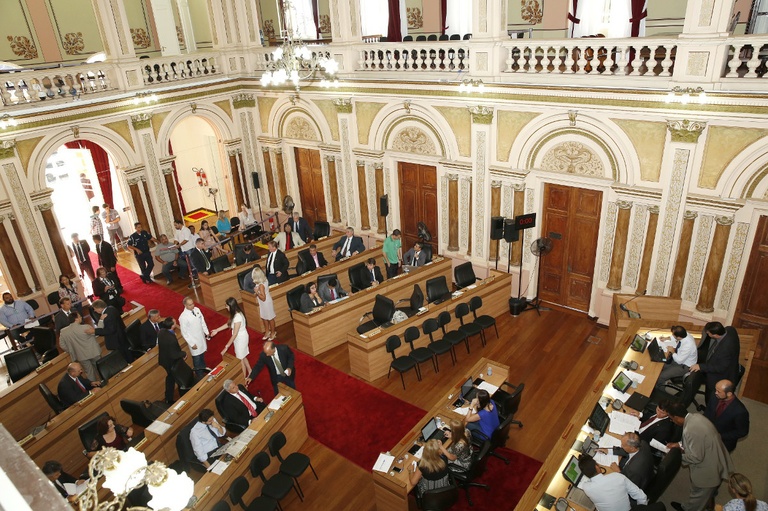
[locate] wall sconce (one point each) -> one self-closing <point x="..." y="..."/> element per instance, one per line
<point x="685" y="95"/>
<point x="145" y="98"/>
<point x="6" y="121"/>
<point x="468" y="85"/>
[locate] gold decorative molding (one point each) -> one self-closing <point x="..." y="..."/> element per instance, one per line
<point x="166" y="170"/>
<point x="134" y="180"/>
<point x="686" y="131"/>
<point x="622" y="204"/>
<point x="690" y="215"/>
<point x="724" y="220"/>
<point x="44" y="206"/>
<point x="193" y="106"/>
<point x="495" y="184"/>
<point x="452" y="177"/>
<point x="572" y="117"/>
<point x="243" y="100"/>
<point x="518" y="187"/>
<point x="7" y="149"/>
<point x="234" y="151"/>
<point x="378" y="165"/>
<point x="481" y="114"/>
<point x="343" y="105"/>
<point x="654" y="210"/>
<point x="141" y="121"/>
<point x="76" y="132"/>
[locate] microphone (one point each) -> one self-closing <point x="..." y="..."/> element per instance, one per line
<point x="623" y="306"/>
<point x="363" y="317"/>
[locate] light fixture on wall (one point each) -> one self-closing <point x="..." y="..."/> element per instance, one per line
<point x="126" y="471"/>
<point x="471" y="85"/>
<point x="293" y="61"/>
<point x="685" y="95"/>
<point x="6" y="121"/>
<point x="145" y="98"/>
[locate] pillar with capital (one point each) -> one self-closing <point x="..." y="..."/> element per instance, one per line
<point x="650" y="238"/>
<point x="268" y="172"/>
<point x="236" y="171"/>
<point x="15" y="275"/>
<point x="334" y="186"/>
<point x="453" y="212"/>
<point x="495" y="211"/>
<point x="518" y="199"/>
<point x="167" y="168"/>
<point x="362" y="195"/>
<point x="719" y="247"/>
<point x="345" y="171"/>
<point x="683" y="253"/>
<point x="481" y="131"/>
<point x="378" y="169"/>
<point x="158" y="215"/>
<point x="619" y="245"/>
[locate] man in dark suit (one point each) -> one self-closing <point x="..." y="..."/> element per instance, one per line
<point x="331" y="290"/>
<point x="148" y="330"/>
<point x="658" y="426"/>
<point x="61" y="319"/>
<point x="722" y="356"/>
<point x="73" y="386"/>
<point x="80" y="249"/>
<point x="372" y="273"/>
<point x="728" y="414"/>
<point x="55" y="473"/>
<point x="106" y="254"/>
<point x="278" y="358"/>
<point x="313" y="258"/>
<point x="277" y="264"/>
<point x="415" y="256"/>
<point x="199" y="258"/>
<point x="348" y="245"/>
<point x="111" y="326"/>
<point x="168" y="352"/>
<point x="238" y="405"/>
<point x="635" y="460"/>
<point x="300" y="226"/>
<point x="246" y="255"/>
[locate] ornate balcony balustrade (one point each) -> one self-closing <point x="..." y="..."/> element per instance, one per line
<point x="55" y="84"/>
<point x="412" y="57"/>
<point x="181" y="67"/>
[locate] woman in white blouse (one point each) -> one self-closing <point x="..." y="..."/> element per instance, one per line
<point x="246" y="216"/>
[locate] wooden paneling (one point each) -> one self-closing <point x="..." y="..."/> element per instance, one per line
<point x="310" y="174"/>
<point x="752" y="309"/>
<point x="418" y="201"/>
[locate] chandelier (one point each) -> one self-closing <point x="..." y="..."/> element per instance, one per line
<point x="293" y="61"/>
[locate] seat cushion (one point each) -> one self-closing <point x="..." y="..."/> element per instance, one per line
<point x="454" y="337"/>
<point x="277" y="486"/>
<point x="402" y="364"/>
<point x="439" y="347"/>
<point x="470" y="329"/>
<point x="422" y="354"/>
<point x="295" y="464"/>
<point x="485" y="321"/>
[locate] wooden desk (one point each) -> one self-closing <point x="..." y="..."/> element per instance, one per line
<point x="22" y="406"/>
<point x="368" y="357"/>
<point x="279" y="291"/>
<point x="549" y="478"/>
<point x="290" y="419"/>
<point x="326" y="328"/>
<point x="656" y="308"/>
<point x="217" y="287"/>
<point x="391" y="488"/>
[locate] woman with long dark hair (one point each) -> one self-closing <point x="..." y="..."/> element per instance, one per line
<point x="239" y="334"/>
<point x="483" y="416"/>
<point x="111" y="434"/>
<point x="68" y="289"/>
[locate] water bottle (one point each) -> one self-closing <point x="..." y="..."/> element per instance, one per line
<point x="596" y="436"/>
<point x="490" y="370"/>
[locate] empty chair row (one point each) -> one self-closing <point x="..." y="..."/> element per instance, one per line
<point x="435" y="37"/>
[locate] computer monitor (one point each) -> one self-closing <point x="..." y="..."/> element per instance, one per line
<point x="638" y="343"/>
<point x="599" y="419"/>
<point x="572" y="472"/>
<point x="429" y="429"/>
<point x="467" y="387"/>
<point x="622" y="382"/>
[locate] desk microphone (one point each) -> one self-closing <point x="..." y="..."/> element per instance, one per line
<point x="623" y="306"/>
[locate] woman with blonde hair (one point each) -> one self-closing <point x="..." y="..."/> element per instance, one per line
<point x="431" y="473"/>
<point x="459" y="452"/>
<point x="740" y="489"/>
<point x="266" y="307"/>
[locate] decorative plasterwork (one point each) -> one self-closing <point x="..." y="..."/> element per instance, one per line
<point x="507" y="205"/>
<point x="445" y="211"/>
<point x="573" y="158"/>
<point x="478" y="201"/>
<point x="243" y="100"/>
<point x="734" y="262"/>
<point x="690" y="215"/>
<point x="698" y="259"/>
<point x="300" y="129"/>
<point x="636" y="245"/>
<point x="157" y="180"/>
<point x="7" y="149"/>
<point x="610" y="232"/>
<point x="465" y="187"/>
<point x="373" y="201"/>
<point x="622" y="204"/>
<point x="724" y="220"/>
<point x="636" y="192"/>
<point x="44" y="206"/>
<point x="343" y="105"/>
<point x="346" y="195"/>
<point x="248" y="127"/>
<point x="234" y="151"/>
<point x="141" y="121"/>
<point x="685" y="130"/>
<point x="528" y="233"/>
<point x="413" y="140"/>
<point x="671" y="214"/>
<point x="570" y="133"/>
<point x="481" y="114"/>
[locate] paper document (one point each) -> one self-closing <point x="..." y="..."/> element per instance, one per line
<point x="337" y="300"/>
<point x="608" y="441"/>
<point x="218" y="467"/>
<point x="75" y="489"/>
<point x="622" y="423"/>
<point x="275" y="404"/>
<point x="667" y="344"/>
<point x="462" y="410"/>
<point x="606" y="459"/>
<point x="179" y="405"/>
<point x="658" y="445"/>
<point x="383" y="463"/>
<point x="158" y="427"/>
<point x="473" y="286"/>
<point x="615" y="394"/>
<point x="489" y="387"/>
<point x="420" y="452"/>
<point x="32" y="324"/>
<point x="635" y="376"/>
<point x="586" y="428"/>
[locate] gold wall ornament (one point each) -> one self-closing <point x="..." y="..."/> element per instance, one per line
<point x="690" y="215"/>
<point x="193" y="106"/>
<point x="481" y="114"/>
<point x="572" y="117"/>
<point x="76" y="132"/>
<point x="685" y="131"/>
<point x="622" y="204"/>
<point x="415" y="19"/>
<point x="142" y="121"/>
<point x="73" y="43"/>
<point x="44" y="206"/>
<point x="21" y="46"/>
<point x="7" y="149"/>
<point x="573" y="157"/>
<point x="407" y="106"/>
<point x="343" y="105"/>
<point x="413" y="140"/>
<point x="724" y="220"/>
<point x="140" y="38"/>
<point x="243" y="100"/>
<point x="531" y="11"/>
<point x="654" y="210"/>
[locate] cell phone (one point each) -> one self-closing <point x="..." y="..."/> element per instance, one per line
<point x="397" y="470"/>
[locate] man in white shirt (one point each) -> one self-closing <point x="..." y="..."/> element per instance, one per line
<point x="204" y="436"/>
<point x="684" y="355"/>
<point x="609" y="492"/>
<point x="182" y="236"/>
<point x="195" y="331"/>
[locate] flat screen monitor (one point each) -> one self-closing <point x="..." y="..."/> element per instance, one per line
<point x="467" y="387"/>
<point x="572" y="472"/>
<point x="429" y="429"/>
<point x="599" y="419"/>
<point x="638" y="343"/>
<point x="622" y="382"/>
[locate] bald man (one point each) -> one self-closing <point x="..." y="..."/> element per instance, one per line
<point x="74" y="386"/>
<point x="728" y="414"/>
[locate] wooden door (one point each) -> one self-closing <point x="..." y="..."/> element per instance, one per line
<point x="571" y="219"/>
<point x="418" y="202"/>
<point x="752" y="309"/>
<point x="311" y="189"/>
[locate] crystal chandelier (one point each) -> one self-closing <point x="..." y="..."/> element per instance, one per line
<point x="293" y="61"/>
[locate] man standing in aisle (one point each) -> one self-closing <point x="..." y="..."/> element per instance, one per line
<point x="391" y="250"/>
<point x="96" y="226"/>
<point x="168" y="352"/>
<point x="138" y="243"/>
<point x="728" y="414"/>
<point x="79" y="340"/>
<point x="112" y="219"/>
<point x="113" y="329"/>
<point x="278" y="358"/>
<point x="722" y="360"/>
<point x="80" y="249"/>
<point x="195" y="331"/>
<point x="277" y="264"/>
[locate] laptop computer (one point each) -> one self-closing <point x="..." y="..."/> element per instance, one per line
<point x="638" y="343"/>
<point x="431" y="432"/>
<point x="637" y="401"/>
<point x="468" y="393"/>
<point x="622" y="382"/>
<point x="655" y="351"/>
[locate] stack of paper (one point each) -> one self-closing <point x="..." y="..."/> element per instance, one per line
<point x="276" y="403"/>
<point x="622" y="423"/>
<point x="383" y="463"/>
<point x="158" y="427"/>
<point x="218" y="467"/>
<point x="658" y="445"/>
<point x="635" y="376"/>
<point x="606" y="459"/>
<point x="615" y="394"/>
<point x="489" y="387"/>
<point x="75" y="489"/>
<point x="608" y="441"/>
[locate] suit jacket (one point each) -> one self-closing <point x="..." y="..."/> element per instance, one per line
<point x="200" y="261"/>
<point x="303" y="229"/>
<point x="368" y="278"/>
<point x="63" y="479"/>
<point x="296" y="240"/>
<point x="99" y="288"/>
<point x="242" y="257"/>
<point x="408" y="258"/>
<point x="85" y="248"/>
<point x="732" y="424"/>
<point x="724" y="362"/>
<point x="168" y="348"/>
<point x="148" y="334"/>
<point x="234" y="409"/>
<point x="61" y="320"/>
<point x="284" y="354"/>
<point x="639" y="469"/>
<point x="307" y="304"/>
<point x="705" y="453"/>
<point x="664" y="431"/>
<point x="106" y="255"/>
<point x="69" y="392"/>
<point x="324" y="290"/>
<point x="281" y="265"/>
<point x="356" y="245"/>
<point x="113" y="329"/>
<point x="310" y="261"/>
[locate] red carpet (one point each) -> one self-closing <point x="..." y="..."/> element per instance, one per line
<point x="199" y="214"/>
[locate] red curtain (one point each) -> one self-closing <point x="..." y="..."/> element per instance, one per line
<point x="443" y="14"/>
<point x="316" y="15"/>
<point x="101" y="163"/>
<point x="572" y="15"/>
<point x="176" y="180"/>
<point x="393" y="30"/>
<point x="639" y="13"/>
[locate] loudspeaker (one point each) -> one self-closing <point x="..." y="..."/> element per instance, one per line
<point x="497" y="227"/>
<point x="255" y="177"/>
<point x="510" y="232"/>
<point x="384" y="205"/>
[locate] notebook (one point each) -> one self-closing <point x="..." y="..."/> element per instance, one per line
<point x="468" y="393"/>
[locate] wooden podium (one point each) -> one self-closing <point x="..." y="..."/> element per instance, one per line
<point x="656" y="308"/>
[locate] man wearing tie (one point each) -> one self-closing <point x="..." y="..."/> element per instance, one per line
<point x="239" y="406"/>
<point x="149" y="329"/>
<point x="415" y="256"/>
<point x="348" y="245"/>
<point x="300" y="226"/>
<point x="373" y="273"/>
<point x="277" y="264"/>
<point x="106" y="255"/>
<point x="331" y="290"/>
<point x="195" y="330"/>
<point x="81" y="249"/>
<point x="635" y="459"/>
<point x="200" y="260"/>
<point x="278" y="358"/>
<point x="722" y="360"/>
<point x="657" y="425"/>
<point x="313" y="258"/>
<point x="684" y="355"/>
<point x="61" y="319"/>
<point x="79" y="340"/>
<point x="74" y="386"/>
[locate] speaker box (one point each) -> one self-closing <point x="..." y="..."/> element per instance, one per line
<point x="497" y="227"/>
<point x="255" y="177"/>
<point x="511" y="234"/>
<point x="384" y="205"/>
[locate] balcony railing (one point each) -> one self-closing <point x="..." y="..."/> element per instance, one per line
<point x="450" y="56"/>
<point x="29" y="86"/>
<point x="746" y="58"/>
<point x="173" y="69"/>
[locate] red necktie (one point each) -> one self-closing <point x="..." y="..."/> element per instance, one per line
<point x="721" y="406"/>
<point x="333" y="294"/>
<point x="647" y="421"/>
<point x="251" y="409"/>
<point x="80" y="384"/>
